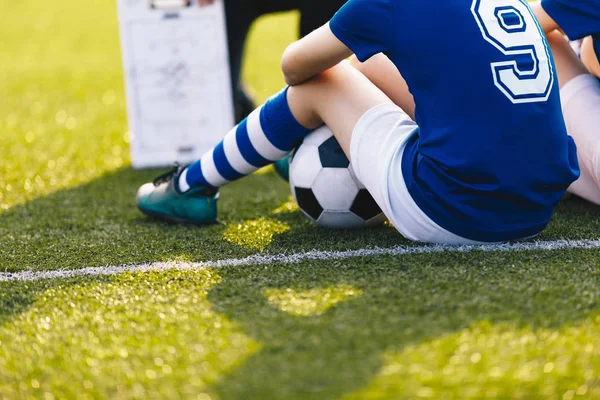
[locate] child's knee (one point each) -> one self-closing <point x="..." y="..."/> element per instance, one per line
<point x="334" y="77"/>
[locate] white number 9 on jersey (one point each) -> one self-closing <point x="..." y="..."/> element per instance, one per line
<point x="525" y="75"/>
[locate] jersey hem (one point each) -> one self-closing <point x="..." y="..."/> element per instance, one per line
<point x="476" y="234"/>
<point x="457" y="228"/>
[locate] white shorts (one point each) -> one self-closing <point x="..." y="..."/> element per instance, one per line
<point x="376" y="149"/>
<point x="580" y="99"/>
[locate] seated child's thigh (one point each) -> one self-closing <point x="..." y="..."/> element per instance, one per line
<point x="378" y="137"/>
<point x="581" y="109"/>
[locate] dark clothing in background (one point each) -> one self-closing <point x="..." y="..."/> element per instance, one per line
<point x="241" y="14"/>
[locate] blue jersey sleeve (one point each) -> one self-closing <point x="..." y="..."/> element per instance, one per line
<point x="364" y="26"/>
<point x="578" y="18"/>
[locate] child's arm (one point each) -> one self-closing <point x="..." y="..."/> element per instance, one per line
<point x="318" y="51"/>
<point x="362" y="27"/>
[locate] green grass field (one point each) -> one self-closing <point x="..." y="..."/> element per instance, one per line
<point x="445" y="325"/>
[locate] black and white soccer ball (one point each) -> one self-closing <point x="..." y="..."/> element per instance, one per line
<point x="325" y="187"/>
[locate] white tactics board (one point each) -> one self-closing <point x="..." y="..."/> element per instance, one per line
<point x="176" y="78"/>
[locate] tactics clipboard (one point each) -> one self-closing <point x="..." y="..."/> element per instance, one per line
<point x="177" y="80"/>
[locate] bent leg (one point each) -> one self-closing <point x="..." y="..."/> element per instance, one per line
<point x="580" y="97"/>
<point x="383" y="73"/>
<point x="338" y="97"/>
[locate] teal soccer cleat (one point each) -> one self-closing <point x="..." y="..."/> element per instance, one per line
<point x="162" y="199"/>
<point x="282" y="167"/>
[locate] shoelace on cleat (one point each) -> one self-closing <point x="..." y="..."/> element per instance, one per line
<point x="167" y="176"/>
<point x="175" y="171"/>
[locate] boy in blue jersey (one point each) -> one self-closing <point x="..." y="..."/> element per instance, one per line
<point x="483" y="157"/>
<point x="578" y="78"/>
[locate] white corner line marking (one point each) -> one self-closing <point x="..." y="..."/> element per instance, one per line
<point x="31" y="275"/>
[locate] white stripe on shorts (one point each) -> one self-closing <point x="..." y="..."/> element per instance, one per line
<point x="260" y="141"/>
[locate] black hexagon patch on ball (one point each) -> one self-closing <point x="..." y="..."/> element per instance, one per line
<point x="332" y="155"/>
<point x="365" y="206"/>
<point x="308" y="202"/>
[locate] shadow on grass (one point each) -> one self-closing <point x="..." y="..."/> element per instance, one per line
<point x="98" y="224"/>
<point x="398" y="303"/>
<point x="324" y="328"/>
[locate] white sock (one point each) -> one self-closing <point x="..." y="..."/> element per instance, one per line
<point x="183" y="185"/>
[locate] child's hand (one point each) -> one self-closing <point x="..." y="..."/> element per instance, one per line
<point x="204" y="3"/>
<point x="589" y="56"/>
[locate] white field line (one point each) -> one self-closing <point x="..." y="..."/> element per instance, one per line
<point x="299" y="257"/>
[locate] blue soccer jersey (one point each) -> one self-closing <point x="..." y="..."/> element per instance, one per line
<point x="578" y="18"/>
<point x="492" y="158"/>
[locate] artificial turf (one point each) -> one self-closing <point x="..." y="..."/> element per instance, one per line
<point x="508" y="325"/>
<point x="458" y="326"/>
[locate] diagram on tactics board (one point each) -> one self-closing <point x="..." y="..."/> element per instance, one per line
<point x="177" y="80"/>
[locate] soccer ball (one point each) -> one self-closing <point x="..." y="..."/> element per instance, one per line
<point x="325" y="187"/>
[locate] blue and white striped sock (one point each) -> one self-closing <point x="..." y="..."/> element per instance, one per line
<point x="268" y="134"/>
